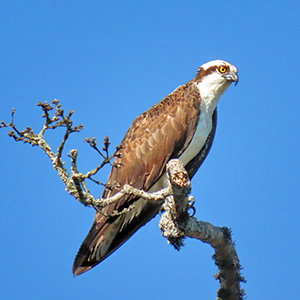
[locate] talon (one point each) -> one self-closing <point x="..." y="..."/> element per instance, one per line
<point x="161" y="210"/>
<point x="194" y="210"/>
<point x="191" y="203"/>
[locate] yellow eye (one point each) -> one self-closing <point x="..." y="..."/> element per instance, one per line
<point x="222" y="69"/>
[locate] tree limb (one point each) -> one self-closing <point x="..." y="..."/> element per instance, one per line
<point x="176" y="223"/>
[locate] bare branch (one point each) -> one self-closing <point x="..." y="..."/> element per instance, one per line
<point x="175" y="223"/>
<point x="106" y="157"/>
<point x="58" y="120"/>
<point x="225" y="256"/>
<point x="93" y="144"/>
<point x="176" y="206"/>
<point x="130" y="190"/>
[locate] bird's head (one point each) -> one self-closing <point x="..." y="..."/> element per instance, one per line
<point x="214" y="77"/>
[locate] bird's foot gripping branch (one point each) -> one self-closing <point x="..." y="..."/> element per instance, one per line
<point x="176" y="223"/>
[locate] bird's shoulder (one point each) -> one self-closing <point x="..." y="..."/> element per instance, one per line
<point x="184" y="101"/>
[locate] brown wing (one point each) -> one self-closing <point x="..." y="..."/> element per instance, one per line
<point x="156" y="136"/>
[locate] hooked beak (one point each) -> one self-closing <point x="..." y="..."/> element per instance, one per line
<point x="232" y="77"/>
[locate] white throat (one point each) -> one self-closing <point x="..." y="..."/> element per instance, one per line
<point x="211" y="88"/>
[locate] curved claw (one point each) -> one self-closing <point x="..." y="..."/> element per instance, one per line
<point x="191" y="205"/>
<point x="194" y="210"/>
<point x="161" y="210"/>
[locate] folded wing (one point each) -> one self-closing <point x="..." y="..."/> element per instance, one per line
<point x="161" y="133"/>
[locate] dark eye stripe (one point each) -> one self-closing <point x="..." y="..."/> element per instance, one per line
<point x="202" y="72"/>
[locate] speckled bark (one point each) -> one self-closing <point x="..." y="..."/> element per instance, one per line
<point x="177" y="224"/>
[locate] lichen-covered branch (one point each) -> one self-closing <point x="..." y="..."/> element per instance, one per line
<point x="225" y="256"/>
<point x="176" y="223"/>
<point x="176" y="205"/>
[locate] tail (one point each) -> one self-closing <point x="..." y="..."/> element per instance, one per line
<point x="97" y="244"/>
<point x="107" y="234"/>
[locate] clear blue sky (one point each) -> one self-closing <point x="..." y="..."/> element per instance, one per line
<point x="110" y="61"/>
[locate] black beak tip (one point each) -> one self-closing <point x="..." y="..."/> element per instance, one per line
<point x="237" y="80"/>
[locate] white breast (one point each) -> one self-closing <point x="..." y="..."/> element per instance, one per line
<point x="199" y="138"/>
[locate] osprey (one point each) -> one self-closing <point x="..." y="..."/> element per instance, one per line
<point x="182" y="126"/>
